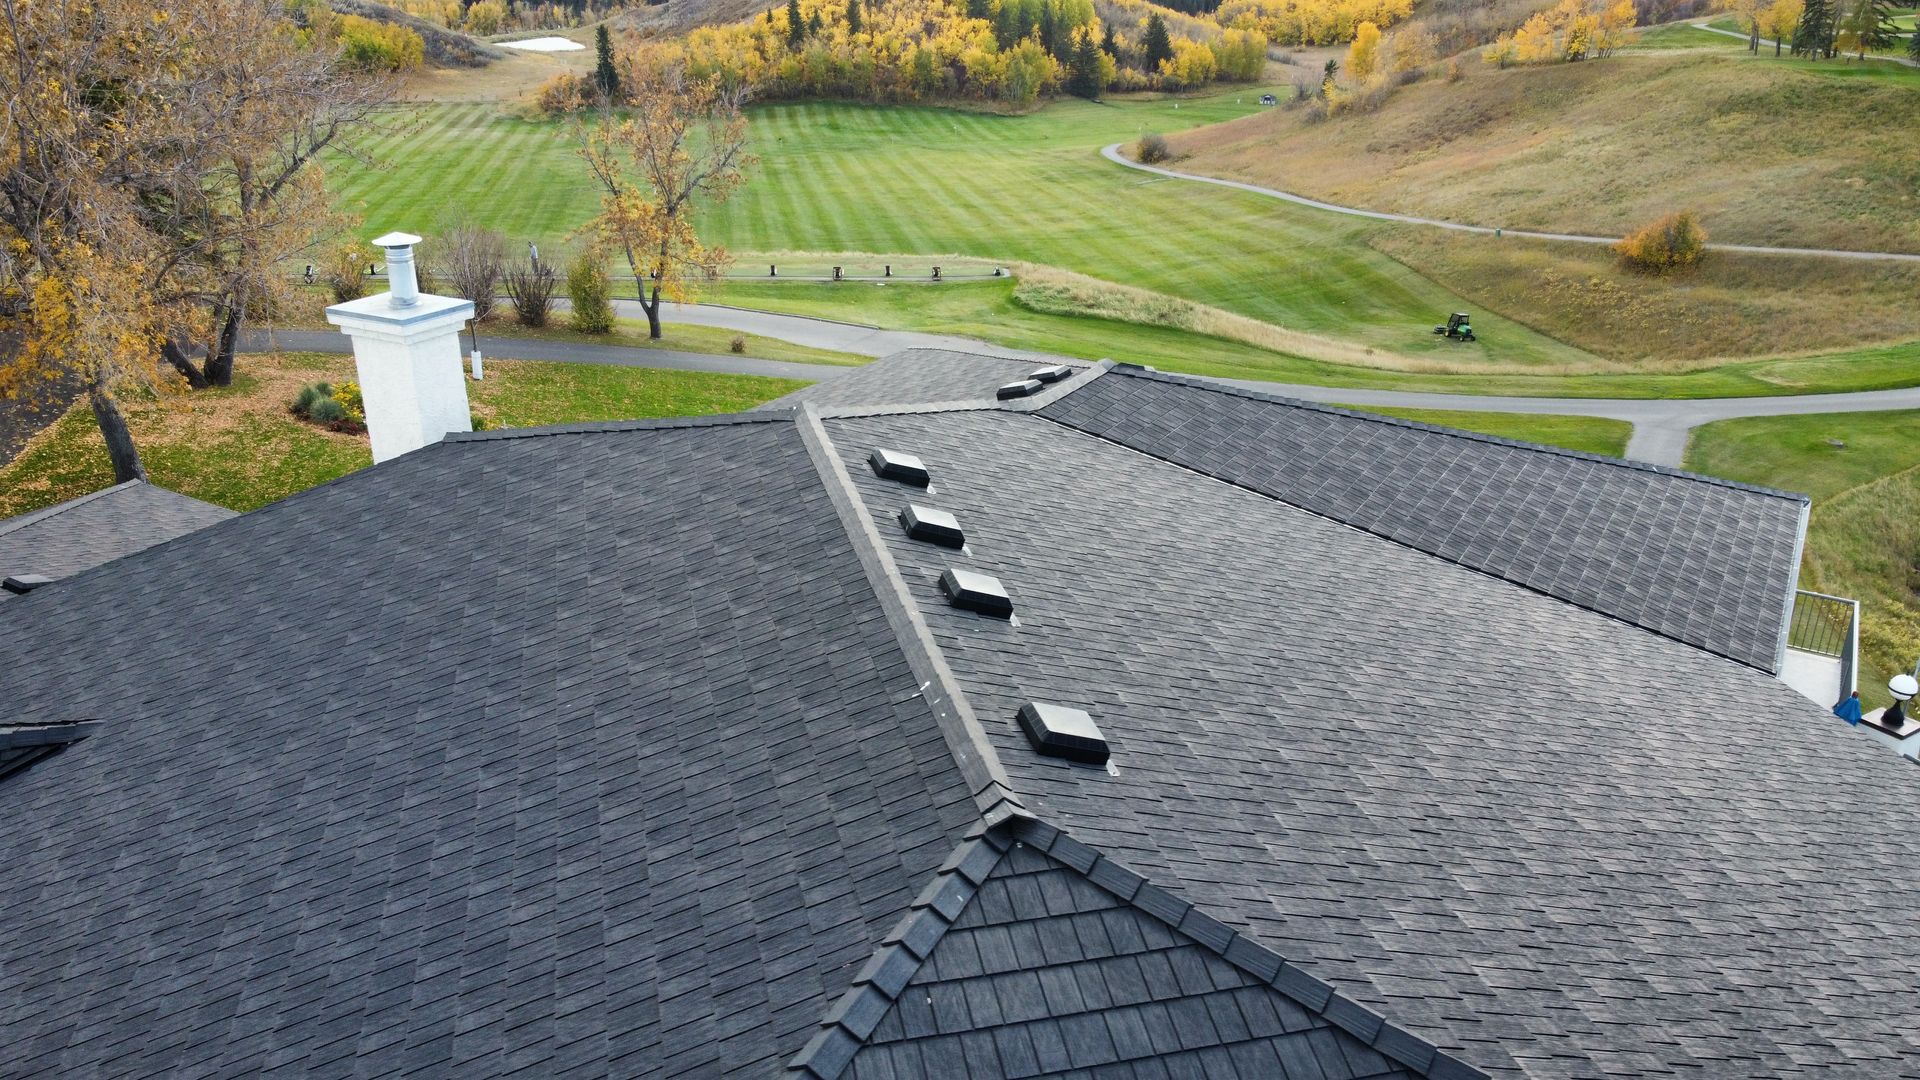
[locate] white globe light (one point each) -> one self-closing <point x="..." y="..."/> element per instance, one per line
<point x="1903" y="687"/>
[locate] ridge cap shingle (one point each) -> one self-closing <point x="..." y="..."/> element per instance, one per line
<point x="992" y="789"/>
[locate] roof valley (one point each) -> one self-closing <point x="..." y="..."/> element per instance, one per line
<point x="987" y="779"/>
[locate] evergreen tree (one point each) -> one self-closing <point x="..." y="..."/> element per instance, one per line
<point x="979" y="9"/>
<point x="1913" y="42"/>
<point x="853" y="16"/>
<point x="1110" y="46"/>
<point x="796" y="25"/>
<point x="1083" y="71"/>
<point x="1049" y="30"/>
<point x="813" y="23"/>
<point x="605" y="77"/>
<point x="1814" y="35"/>
<point x="1157" y="46"/>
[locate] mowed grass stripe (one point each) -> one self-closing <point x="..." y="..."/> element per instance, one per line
<point x="910" y="180"/>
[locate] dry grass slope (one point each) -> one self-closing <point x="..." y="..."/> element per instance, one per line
<point x="1769" y="152"/>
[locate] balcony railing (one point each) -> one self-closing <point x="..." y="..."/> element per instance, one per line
<point x="1828" y="626"/>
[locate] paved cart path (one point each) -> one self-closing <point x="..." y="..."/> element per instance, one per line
<point x="1660" y="427"/>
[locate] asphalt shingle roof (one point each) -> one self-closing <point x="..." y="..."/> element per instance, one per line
<point x="1707" y="562"/>
<point x="915" y="377"/>
<point x="1552" y="843"/>
<point x="577" y="755"/>
<point x="82" y="533"/>
<point x="1022" y="965"/>
<point x="655" y="750"/>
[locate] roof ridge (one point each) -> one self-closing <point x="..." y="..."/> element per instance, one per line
<point x="905" y="949"/>
<point x="590" y="427"/>
<point x="1397" y="541"/>
<point x="1215" y="386"/>
<point x="44" y="513"/>
<point x="987" y="780"/>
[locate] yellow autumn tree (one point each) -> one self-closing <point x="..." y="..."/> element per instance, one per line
<point x="1779" y="20"/>
<point x="157" y="167"/>
<point x="684" y="143"/>
<point x="1363" y="56"/>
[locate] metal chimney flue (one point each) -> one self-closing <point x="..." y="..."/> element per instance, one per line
<point x="403" y="283"/>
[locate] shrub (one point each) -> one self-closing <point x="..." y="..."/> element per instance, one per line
<point x="345" y="273"/>
<point x="348" y="395"/>
<point x="326" y="411"/>
<point x="564" y="93"/>
<point x="591" y="292"/>
<point x="738" y="344"/>
<point x="368" y="45"/>
<point x="470" y="259"/>
<point x="303" y="401"/>
<point x="1154" y="149"/>
<point x="531" y="285"/>
<point x="1675" y="242"/>
<point x="480" y="423"/>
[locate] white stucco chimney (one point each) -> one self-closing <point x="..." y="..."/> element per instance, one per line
<point x="406" y="346"/>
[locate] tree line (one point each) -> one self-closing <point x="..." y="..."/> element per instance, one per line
<point x="1010" y="51"/>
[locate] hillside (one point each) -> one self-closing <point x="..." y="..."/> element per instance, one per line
<point x="1768" y="151"/>
<point x="444" y="47"/>
<point x="679" y="16"/>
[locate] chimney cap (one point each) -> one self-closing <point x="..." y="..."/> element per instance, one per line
<point x="396" y="240"/>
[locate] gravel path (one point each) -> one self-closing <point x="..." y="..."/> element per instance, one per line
<point x="1112" y="153"/>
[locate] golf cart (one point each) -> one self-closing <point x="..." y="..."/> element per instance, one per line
<point x="1457" y="328"/>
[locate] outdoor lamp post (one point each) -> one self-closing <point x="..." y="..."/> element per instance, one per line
<point x="1903" y="688"/>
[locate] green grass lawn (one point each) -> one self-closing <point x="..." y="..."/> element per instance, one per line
<point x="239" y="448"/>
<point x="988" y="310"/>
<point x="842" y="177"/>
<point x="1588" y="434"/>
<point x="684" y="337"/>
<point x="1681" y="35"/>
<point x="1863" y="538"/>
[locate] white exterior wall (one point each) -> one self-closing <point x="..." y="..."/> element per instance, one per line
<point x="409" y="365"/>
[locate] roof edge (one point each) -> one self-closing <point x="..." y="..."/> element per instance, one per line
<point x="1214" y="386"/>
<point x="591" y="427"/>
<point x="34" y="516"/>
<point x="987" y="780"/>
<point x="854" y="1016"/>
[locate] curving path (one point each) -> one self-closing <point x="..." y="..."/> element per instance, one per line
<point x="1660" y="427"/>
<point x="1112" y="153"/>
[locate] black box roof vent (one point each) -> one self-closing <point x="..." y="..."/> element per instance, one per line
<point x="1059" y="731"/>
<point x="933" y="526"/>
<point x="894" y="465"/>
<point x="1051" y="374"/>
<point x="25" y="744"/>
<point x="25" y="583"/>
<point x="1018" y="389"/>
<point x="976" y="592"/>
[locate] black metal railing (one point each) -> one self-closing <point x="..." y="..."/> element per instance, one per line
<point x="1827" y="626"/>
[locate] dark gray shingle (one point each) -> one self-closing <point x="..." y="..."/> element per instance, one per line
<point x="1548" y="841"/>
<point x="1703" y="561"/>
<point x="82" y="533"/>
<point x="913" y="377"/>
<point x="566" y="755"/>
